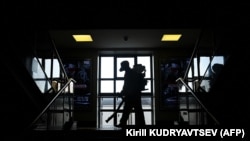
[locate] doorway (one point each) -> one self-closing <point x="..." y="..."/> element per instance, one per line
<point x="110" y="83"/>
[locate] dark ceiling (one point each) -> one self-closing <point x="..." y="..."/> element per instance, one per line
<point x="125" y="38"/>
<point x="143" y="22"/>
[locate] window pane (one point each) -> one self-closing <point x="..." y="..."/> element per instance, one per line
<point x="118" y="102"/>
<point x="147" y="87"/>
<point x="148" y="118"/>
<point x="39" y="76"/>
<point x="146" y="103"/>
<point x="111" y="84"/>
<point x="56" y="68"/>
<point x="107" y="67"/>
<point x="204" y="62"/>
<point x="190" y="84"/>
<point x="48" y="67"/>
<point x="218" y="60"/>
<point x="107" y="103"/>
<point x="119" y="85"/>
<point x="104" y="116"/>
<point x="190" y="73"/>
<point x="107" y="86"/>
<point x="195" y="67"/>
<point x="37" y="70"/>
<point x="119" y="60"/>
<point x="145" y="61"/>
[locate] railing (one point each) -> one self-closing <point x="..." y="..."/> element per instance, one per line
<point x="60" y="61"/>
<point x="60" y="92"/>
<point x="196" y="47"/>
<point x="199" y="102"/>
<point x="61" y="87"/>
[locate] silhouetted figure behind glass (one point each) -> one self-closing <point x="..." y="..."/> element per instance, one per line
<point x="131" y="93"/>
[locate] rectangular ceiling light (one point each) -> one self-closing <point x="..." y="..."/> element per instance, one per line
<point x="171" y="37"/>
<point x="83" y="38"/>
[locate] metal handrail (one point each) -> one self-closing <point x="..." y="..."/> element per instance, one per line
<point x="60" y="60"/>
<point x="197" y="99"/>
<point x="55" y="97"/>
<point x="196" y="47"/>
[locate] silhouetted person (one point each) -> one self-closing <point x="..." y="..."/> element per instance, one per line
<point x="216" y="69"/>
<point x="131" y="93"/>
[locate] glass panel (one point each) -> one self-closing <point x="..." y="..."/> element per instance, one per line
<point x="119" y="116"/>
<point x="190" y="84"/>
<point x="182" y="88"/>
<point x="104" y="116"/>
<point x="195" y="67"/>
<point x="48" y="67"/>
<point x="216" y="64"/>
<point x="205" y="85"/>
<point x="39" y="76"/>
<point x="146" y="103"/>
<point x="183" y="102"/>
<point x="118" y="102"/>
<point x="107" y="86"/>
<point x="193" y="104"/>
<point x="185" y="116"/>
<point x="107" y="67"/>
<point x="193" y="117"/>
<point x="107" y="103"/>
<point x="113" y="85"/>
<point x="218" y="60"/>
<point x="145" y="61"/>
<point x="131" y="119"/>
<point x="56" y="68"/>
<point x="204" y="62"/>
<point x="119" y="85"/>
<point x="147" y="87"/>
<point x="211" y="74"/>
<point x="37" y="72"/>
<point x="190" y="73"/>
<point x="119" y="60"/>
<point x="148" y="117"/>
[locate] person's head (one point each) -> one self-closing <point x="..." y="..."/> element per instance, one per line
<point x="124" y="65"/>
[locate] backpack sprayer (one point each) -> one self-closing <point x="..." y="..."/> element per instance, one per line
<point x="141" y="70"/>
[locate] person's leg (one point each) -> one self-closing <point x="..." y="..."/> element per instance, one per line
<point x="125" y="114"/>
<point x="139" y="115"/>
